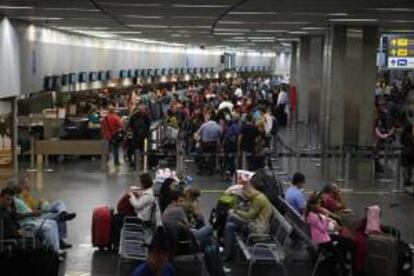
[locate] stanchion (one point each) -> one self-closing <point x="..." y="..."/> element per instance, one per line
<point x="347" y="168"/>
<point x="145" y="161"/>
<point x="104" y="155"/>
<point x="32" y="155"/>
<point x="398" y="182"/>
<point x="138" y="161"/>
<point x="341" y="167"/>
<point x="47" y="168"/>
<point x="244" y="161"/>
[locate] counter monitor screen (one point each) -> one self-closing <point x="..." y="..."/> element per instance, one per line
<point x="83" y="77"/>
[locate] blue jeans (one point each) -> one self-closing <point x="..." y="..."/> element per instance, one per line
<point x="233" y="225"/>
<point x="203" y="234"/>
<point x="53" y="211"/>
<point x="48" y="231"/>
<point x="115" y="152"/>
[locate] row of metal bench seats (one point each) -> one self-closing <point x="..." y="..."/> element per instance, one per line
<point x="277" y="245"/>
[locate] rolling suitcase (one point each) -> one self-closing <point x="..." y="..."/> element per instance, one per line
<point x="382" y="256"/>
<point x="101" y="227"/>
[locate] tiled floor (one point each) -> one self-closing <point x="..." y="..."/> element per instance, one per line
<point x="81" y="184"/>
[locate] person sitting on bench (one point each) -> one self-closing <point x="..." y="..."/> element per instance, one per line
<point x="256" y="217"/>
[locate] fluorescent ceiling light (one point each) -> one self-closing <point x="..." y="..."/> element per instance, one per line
<point x="71" y="9"/>
<point x="38" y="18"/>
<point x="191" y="27"/>
<point x="4" y="7"/>
<point x="353" y="20"/>
<point x="126" y="32"/>
<point x="395" y="9"/>
<point x="228" y="34"/>
<point x="401" y="21"/>
<point x="192" y="17"/>
<point x="314" y="28"/>
<point x="251" y="13"/>
<point x="270" y="31"/>
<point x="286" y="23"/>
<point x="298" y="32"/>
<point x="143" y="16"/>
<point x="337" y="14"/>
<point x="198" y="6"/>
<point x="261" y="37"/>
<point x="232" y="22"/>
<point x="399" y="31"/>
<point x="149" y="26"/>
<point x="132" y="4"/>
<point x="231" y="30"/>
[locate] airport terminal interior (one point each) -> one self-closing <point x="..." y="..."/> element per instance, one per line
<point x="194" y="137"/>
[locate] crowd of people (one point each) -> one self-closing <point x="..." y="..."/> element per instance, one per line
<point x="225" y="118"/>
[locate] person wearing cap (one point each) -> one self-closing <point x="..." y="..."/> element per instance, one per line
<point x="294" y="194"/>
<point x="157" y="263"/>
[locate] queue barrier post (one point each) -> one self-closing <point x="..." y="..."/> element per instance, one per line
<point x="145" y="161"/>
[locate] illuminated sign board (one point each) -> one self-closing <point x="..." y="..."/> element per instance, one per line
<point x="400" y="52"/>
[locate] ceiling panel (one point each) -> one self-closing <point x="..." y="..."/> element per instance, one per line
<point x="257" y="23"/>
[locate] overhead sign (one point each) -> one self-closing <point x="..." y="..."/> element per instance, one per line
<point x="401" y="52"/>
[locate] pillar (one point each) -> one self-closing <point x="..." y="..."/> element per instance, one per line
<point x="303" y="79"/>
<point x="349" y="73"/>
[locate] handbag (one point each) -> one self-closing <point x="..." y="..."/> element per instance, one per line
<point x="117" y="137"/>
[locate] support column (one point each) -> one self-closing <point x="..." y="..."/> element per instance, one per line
<point x="303" y="79"/>
<point x="348" y="84"/>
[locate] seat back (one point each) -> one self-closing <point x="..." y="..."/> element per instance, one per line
<point x="280" y="228"/>
<point x="300" y="227"/>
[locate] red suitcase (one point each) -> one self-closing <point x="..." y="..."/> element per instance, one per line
<point x="101" y="227"/>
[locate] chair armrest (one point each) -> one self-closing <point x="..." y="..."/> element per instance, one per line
<point x="253" y="236"/>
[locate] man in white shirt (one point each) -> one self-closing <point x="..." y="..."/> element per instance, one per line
<point x="238" y="92"/>
<point x="283" y="98"/>
<point x="143" y="200"/>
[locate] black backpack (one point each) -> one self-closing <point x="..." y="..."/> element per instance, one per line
<point x="272" y="189"/>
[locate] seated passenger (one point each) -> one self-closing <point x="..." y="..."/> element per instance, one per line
<point x="175" y="221"/>
<point x="47" y="228"/>
<point x="164" y="199"/>
<point x="323" y="231"/>
<point x="192" y="207"/>
<point x="55" y="210"/>
<point x="11" y="229"/>
<point x="157" y="261"/>
<point x="256" y="217"/>
<point x="294" y="194"/>
<point x="143" y="200"/>
<point x="332" y="199"/>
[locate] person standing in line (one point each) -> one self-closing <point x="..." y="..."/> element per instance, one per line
<point x="111" y="125"/>
<point x="282" y="102"/>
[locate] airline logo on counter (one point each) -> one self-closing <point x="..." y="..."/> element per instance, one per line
<point x="401" y="52"/>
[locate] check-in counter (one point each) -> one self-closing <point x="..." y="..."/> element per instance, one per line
<point x="44" y="148"/>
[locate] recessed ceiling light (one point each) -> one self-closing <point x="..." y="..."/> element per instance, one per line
<point x="143" y="16"/>
<point x="132" y="4"/>
<point x="149" y="26"/>
<point x="353" y="20"/>
<point x="4" y="7"/>
<point x="228" y="34"/>
<point x="395" y="9"/>
<point x="251" y="13"/>
<point x="192" y="17"/>
<point x="270" y="31"/>
<point x="231" y="30"/>
<point x="198" y="6"/>
<point x="401" y="21"/>
<point x="38" y="18"/>
<point x="337" y="14"/>
<point x="71" y="9"/>
<point x="190" y="27"/>
<point x="126" y="32"/>
<point x="285" y="23"/>
<point x="231" y="22"/>
<point x="314" y="28"/>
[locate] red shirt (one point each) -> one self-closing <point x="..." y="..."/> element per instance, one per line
<point x="110" y="125"/>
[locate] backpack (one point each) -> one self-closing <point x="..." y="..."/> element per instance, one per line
<point x="275" y="127"/>
<point x="272" y="188"/>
